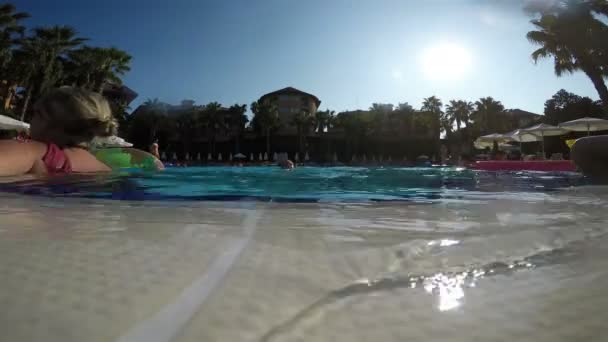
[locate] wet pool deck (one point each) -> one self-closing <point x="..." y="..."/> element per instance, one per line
<point x="88" y="270"/>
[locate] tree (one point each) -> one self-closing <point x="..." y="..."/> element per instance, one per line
<point x="433" y="105"/>
<point x="303" y="121"/>
<point x="569" y="32"/>
<point x="238" y="120"/>
<point x="147" y="122"/>
<point x="46" y="51"/>
<point x="459" y="112"/>
<point x="565" y="106"/>
<point x="324" y="121"/>
<point x="213" y="119"/>
<point x="10" y="29"/>
<point x="487" y="116"/>
<point x="93" y="67"/>
<point x="265" y="119"/>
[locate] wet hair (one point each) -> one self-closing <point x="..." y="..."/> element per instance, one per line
<point x="73" y="117"/>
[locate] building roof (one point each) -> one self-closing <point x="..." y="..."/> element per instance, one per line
<point x="119" y="91"/>
<point x="290" y="91"/>
<point x="522" y="113"/>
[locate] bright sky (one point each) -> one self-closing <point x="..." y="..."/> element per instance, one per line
<point x="348" y="53"/>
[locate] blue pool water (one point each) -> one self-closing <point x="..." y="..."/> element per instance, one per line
<point x="304" y="184"/>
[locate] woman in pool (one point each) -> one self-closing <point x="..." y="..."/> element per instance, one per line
<point x="63" y="123"/>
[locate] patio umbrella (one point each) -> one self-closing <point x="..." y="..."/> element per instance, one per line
<point x="585" y="125"/>
<point x="240" y="156"/>
<point x="544" y="130"/>
<point x="9" y="123"/>
<point x="486" y="141"/>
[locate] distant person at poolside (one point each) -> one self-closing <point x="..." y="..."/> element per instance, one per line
<point x="63" y="124"/>
<point x="154" y="150"/>
<point x="500" y="155"/>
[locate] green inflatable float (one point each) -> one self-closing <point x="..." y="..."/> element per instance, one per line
<point x="123" y="158"/>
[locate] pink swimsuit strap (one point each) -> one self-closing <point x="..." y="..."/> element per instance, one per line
<point x="56" y="161"/>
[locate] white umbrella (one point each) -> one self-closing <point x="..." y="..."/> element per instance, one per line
<point x="544" y="130"/>
<point x="522" y="137"/>
<point x="240" y="156"/>
<point x="306" y="157"/>
<point x="274" y="157"/>
<point x="230" y="157"/>
<point x="251" y="156"/>
<point x="164" y="156"/>
<point x="219" y="157"/>
<point x="265" y="155"/>
<point x="297" y="157"/>
<point x="198" y="156"/>
<point x="260" y="157"/>
<point x="585" y="125"/>
<point x="209" y="157"/>
<point x="9" y="123"/>
<point x="187" y="156"/>
<point x="486" y="141"/>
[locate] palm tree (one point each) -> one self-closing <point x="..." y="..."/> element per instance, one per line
<point x="571" y="34"/>
<point x="146" y="122"/>
<point x="486" y="116"/>
<point x="93" y="67"/>
<point x="55" y="42"/>
<point x="238" y="120"/>
<point x="324" y="120"/>
<point x="433" y="105"/>
<point x="213" y="119"/>
<point x="44" y="54"/>
<point x="459" y="112"/>
<point x="10" y="27"/>
<point x="10" y="32"/>
<point x="265" y="119"/>
<point x="303" y="122"/>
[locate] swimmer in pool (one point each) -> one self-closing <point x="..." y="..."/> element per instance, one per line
<point x="63" y="123"/>
<point x="287" y="164"/>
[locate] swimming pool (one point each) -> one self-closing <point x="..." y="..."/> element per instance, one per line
<point x="335" y="254"/>
<point x="304" y="184"/>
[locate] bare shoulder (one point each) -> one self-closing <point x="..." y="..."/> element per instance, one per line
<point x="34" y="149"/>
<point x="18" y="158"/>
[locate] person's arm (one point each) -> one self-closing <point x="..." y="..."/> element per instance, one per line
<point x="17" y="158"/>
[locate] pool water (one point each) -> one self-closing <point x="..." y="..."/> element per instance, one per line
<point x="304" y="184"/>
<point x="335" y="254"/>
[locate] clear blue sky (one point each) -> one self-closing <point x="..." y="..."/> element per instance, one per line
<point x="349" y="53"/>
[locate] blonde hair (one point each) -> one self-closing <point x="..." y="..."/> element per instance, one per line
<point x="73" y="117"/>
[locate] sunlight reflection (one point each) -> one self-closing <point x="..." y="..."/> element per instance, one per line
<point x="448" y="289"/>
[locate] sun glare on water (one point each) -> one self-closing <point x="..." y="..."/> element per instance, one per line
<point x="446" y="62"/>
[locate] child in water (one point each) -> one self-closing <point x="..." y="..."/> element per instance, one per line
<point x="63" y="123"/>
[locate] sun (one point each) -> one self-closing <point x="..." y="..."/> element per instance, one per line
<point x="446" y="62"/>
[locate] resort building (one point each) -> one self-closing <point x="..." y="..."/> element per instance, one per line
<point x="289" y="102"/>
